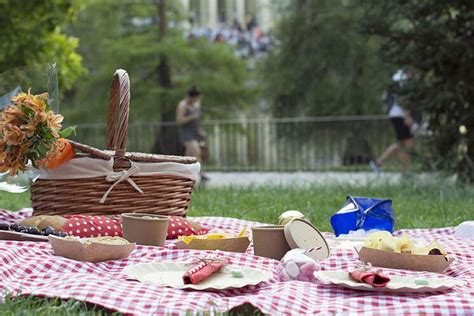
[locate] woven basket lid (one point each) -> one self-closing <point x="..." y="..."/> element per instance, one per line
<point x="138" y="157"/>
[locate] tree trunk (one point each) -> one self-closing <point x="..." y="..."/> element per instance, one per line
<point x="167" y="141"/>
<point x="164" y="71"/>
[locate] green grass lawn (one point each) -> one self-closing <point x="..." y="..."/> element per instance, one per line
<point x="415" y="205"/>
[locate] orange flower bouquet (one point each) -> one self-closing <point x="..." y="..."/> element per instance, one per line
<point x="30" y="130"/>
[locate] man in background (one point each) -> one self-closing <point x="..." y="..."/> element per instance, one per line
<point x="403" y="124"/>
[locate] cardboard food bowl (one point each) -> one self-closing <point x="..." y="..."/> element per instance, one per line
<point x="95" y="252"/>
<point x="236" y="244"/>
<point x="269" y="241"/>
<point x="405" y="261"/>
<point x="145" y="229"/>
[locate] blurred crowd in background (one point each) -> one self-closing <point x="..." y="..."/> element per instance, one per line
<point x="249" y="41"/>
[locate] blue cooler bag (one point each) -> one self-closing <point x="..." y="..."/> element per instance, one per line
<point x="363" y="213"/>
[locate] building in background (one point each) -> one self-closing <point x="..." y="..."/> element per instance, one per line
<point x="213" y="13"/>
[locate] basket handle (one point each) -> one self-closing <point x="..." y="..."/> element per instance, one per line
<point x="117" y="119"/>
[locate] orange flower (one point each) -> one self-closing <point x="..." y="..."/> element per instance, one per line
<point x="20" y="98"/>
<point x="36" y="104"/>
<point x="54" y="122"/>
<point x="30" y="127"/>
<point x="15" y="160"/>
<point x="12" y="114"/>
<point x="13" y="135"/>
<point x="3" y="153"/>
<point x="3" y="167"/>
<point x="24" y="129"/>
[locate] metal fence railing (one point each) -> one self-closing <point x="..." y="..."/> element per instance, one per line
<point x="286" y="144"/>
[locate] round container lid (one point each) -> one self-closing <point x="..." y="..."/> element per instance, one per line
<point x="302" y="234"/>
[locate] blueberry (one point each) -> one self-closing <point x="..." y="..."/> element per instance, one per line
<point x="48" y="230"/>
<point x="23" y="230"/>
<point x="4" y="226"/>
<point x="61" y="234"/>
<point x="33" y="231"/>
<point x="15" y="227"/>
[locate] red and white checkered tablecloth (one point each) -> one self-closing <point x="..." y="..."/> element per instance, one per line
<point x="31" y="268"/>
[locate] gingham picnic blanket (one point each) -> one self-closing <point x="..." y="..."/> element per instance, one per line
<point x="31" y="268"/>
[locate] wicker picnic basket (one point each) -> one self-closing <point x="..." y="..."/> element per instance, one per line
<point x="162" y="192"/>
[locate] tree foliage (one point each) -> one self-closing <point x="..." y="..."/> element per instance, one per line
<point x="323" y="64"/>
<point x="437" y="38"/>
<point x="32" y="32"/>
<point x="129" y="38"/>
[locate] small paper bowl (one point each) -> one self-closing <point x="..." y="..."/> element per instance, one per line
<point x="145" y="231"/>
<point x="96" y="252"/>
<point x="270" y="241"/>
<point x="237" y="244"/>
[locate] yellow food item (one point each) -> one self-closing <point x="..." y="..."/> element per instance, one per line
<point x="188" y="239"/>
<point x="405" y="244"/>
<point x="215" y="236"/>
<point x="435" y="245"/>
<point x="420" y="251"/>
<point x="381" y="239"/>
<point x="426" y="250"/>
<point x="388" y="245"/>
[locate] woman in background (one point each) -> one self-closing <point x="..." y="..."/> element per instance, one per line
<point x="188" y="117"/>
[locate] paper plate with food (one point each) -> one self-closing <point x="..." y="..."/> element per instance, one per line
<point x="376" y="280"/>
<point x="210" y="273"/>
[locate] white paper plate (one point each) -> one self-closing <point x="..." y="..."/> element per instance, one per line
<point x="170" y="274"/>
<point x="396" y="284"/>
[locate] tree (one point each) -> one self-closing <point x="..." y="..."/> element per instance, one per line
<point x="323" y="65"/>
<point x="437" y="38"/>
<point x="145" y="39"/>
<point x="31" y="33"/>
<point x="130" y="39"/>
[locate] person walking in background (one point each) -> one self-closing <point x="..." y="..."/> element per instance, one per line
<point x="188" y="117"/>
<point x="403" y="124"/>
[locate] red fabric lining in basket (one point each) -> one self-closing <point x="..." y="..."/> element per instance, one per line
<point x="96" y="226"/>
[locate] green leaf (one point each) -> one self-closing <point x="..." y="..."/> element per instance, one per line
<point x="68" y="131"/>
<point x="42" y="150"/>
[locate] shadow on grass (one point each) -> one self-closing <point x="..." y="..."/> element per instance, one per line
<point x="45" y="306"/>
<point x="35" y="305"/>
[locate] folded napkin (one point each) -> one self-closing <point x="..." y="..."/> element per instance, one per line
<point x="202" y="270"/>
<point x="373" y="278"/>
